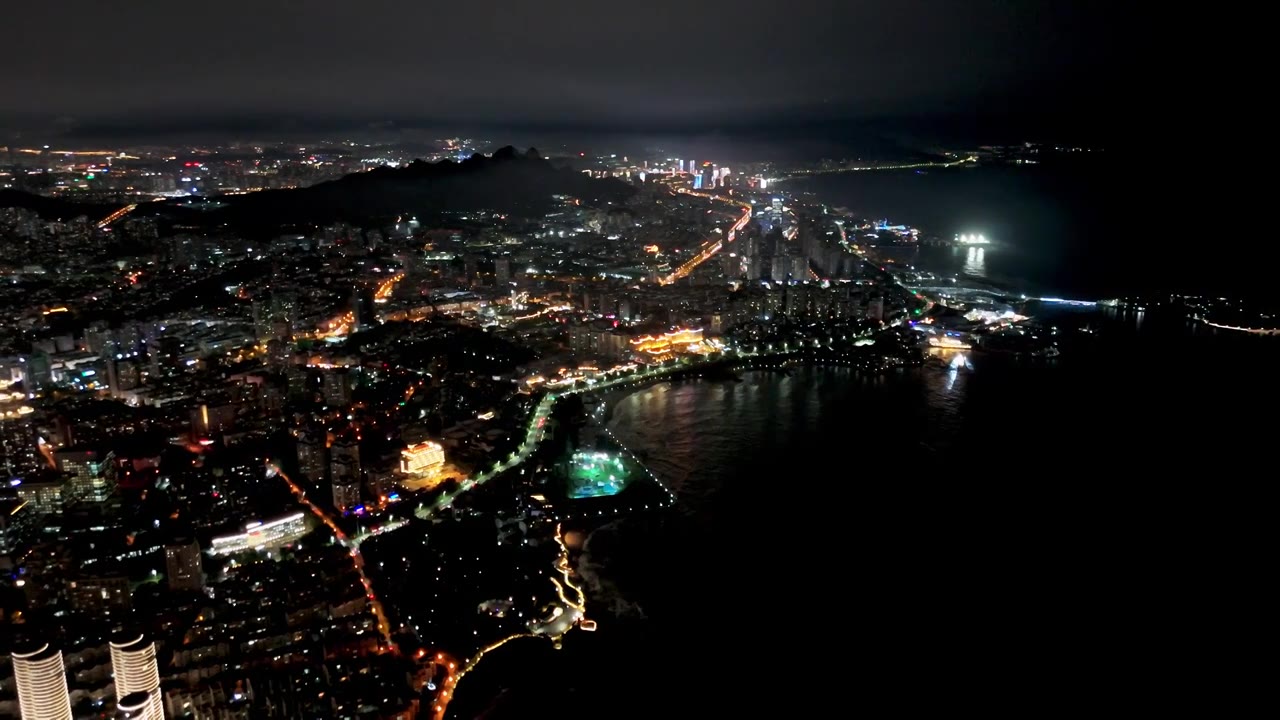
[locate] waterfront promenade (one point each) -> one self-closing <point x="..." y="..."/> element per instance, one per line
<point x="535" y="430"/>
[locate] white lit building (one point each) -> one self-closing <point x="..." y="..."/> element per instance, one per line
<point x="421" y="459"/>
<point x="133" y="661"/>
<point x="42" y="684"/>
<point x="271" y="533"/>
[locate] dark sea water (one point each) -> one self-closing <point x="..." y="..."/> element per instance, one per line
<point x="1085" y="229"/>
<point x="1019" y="537"/>
<point x="1011" y="538"/>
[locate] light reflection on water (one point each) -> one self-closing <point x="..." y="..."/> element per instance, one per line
<point x="700" y="435"/>
<point x="975" y="262"/>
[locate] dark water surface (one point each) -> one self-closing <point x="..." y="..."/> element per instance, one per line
<point x="1086" y="230"/>
<point x="924" y="541"/>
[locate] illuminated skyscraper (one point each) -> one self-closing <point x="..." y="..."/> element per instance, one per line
<point x="42" y="683"/>
<point x="133" y="660"/>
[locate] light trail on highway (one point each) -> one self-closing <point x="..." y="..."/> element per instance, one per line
<point x="338" y="327"/>
<point x="105" y="222"/>
<point x="386" y="287"/>
<point x="711" y="247"/>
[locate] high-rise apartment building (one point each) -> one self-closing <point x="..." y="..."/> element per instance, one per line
<point x="182" y="564"/>
<point x="133" y="660"/>
<point x="42" y="683"/>
<point x="346" y="493"/>
<point x="344" y="459"/>
<point x="91" y="474"/>
<point x="313" y="455"/>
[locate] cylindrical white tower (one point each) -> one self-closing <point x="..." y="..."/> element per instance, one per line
<point x="42" y="684"/>
<point x="133" y="660"/>
<point x="134" y="706"/>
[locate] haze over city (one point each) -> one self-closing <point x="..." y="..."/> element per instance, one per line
<point x="564" y="64"/>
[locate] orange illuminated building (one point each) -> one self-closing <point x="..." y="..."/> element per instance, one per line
<point x="677" y="342"/>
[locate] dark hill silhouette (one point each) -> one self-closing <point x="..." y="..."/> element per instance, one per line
<point x="53" y="208"/>
<point x="508" y="181"/>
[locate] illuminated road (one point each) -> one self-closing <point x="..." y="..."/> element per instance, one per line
<point x="374" y="532"/>
<point x="384" y="627"/>
<point x="1237" y="328"/>
<point x="105" y="222"/>
<point x="868" y="168"/>
<point x="338" y="327"/>
<point x="711" y="247"/>
<point x="451" y="675"/>
<point x="534" y="434"/>
<point x="386" y="287"/>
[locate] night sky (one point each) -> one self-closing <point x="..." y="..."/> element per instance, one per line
<point x="571" y="63"/>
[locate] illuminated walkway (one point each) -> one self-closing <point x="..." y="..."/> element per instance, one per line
<point x="535" y="432"/>
<point x="570" y="614"/>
